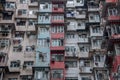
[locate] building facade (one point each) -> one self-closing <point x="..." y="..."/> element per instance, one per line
<point x="59" y="39"/>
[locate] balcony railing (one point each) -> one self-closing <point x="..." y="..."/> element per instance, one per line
<point x="58" y="10"/>
<point x="85" y="70"/>
<point x="111" y="1"/>
<point x="57" y="48"/>
<point x="114" y="18"/>
<point x="57" y="35"/>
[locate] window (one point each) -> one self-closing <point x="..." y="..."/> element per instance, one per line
<point x="23" y="1"/>
<point x="57" y="29"/>
<point x="7" y="15"/>
<point x="28" y="63"/>
<point x="57" y="74"/>
<point x="85" y="78"/>
<point x="17" y="48"/>
<point x="70" y="49"/>
<point x="15" y="64"/>
<point x="30" y="48"/>
<point x="58" y="17"/>
<point x="44" y="6"/>
<point x="22" y="11"/>
<point x="12" y="79"/>
<point x="10" y="5"/>
<point x="42" y="57"/>
<point x="20" y="23"/>
<point x="115" y="29"/>
<point x="112" y="11"/>
<point x="80" y="1"/>
<point x="96" y="29"/>
<point x="58" y="57"/>
<point x="83" y="36"/>
<point x="43" y="30"/>
<point x="96" y="42"/>
<point x="71" y="64"/>
<point x="70" y="36"/>
<point x="58" y="42"/>
<point x="85" y="63"/>
<point x="94" y="17"/>
<point x="84" y="48"/>
<point x="4" y="43"/>
<point x="32" y="1"/>
<point x="99" y="58"/>
<point x="43" y="42"/>
<point x="31" y="22"/>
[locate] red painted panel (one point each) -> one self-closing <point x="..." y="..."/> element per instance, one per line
<point x="57" y="21"/>
<point x="114" y="18"/>
<point x="57" y="48"/>
<point x="57" y="35"/>
<point x="111" y="1"/>
<point x="60" y="10"/>
<point x="57" y="65"/>
<point x="116" y="63"/>
<point x="115" y="36"/>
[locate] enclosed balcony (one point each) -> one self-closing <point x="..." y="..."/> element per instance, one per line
<point x="14" y="66"/>
<point x="57" y="35"/>
<point x="94" y="18"/>
<point x="80" y="15"/>
<point x="32" y="14"/>
<point x="57" y="44"/>
<point x="70" y="3"/>
<point x="83" y="38"/>
<point x="57" y="8"/>
<point x="44" y="19"/>
<point x="57" y="60"/>
<point x="5" y="31"/>
<point x="42" y="74"/>
<point x="71" y="26"/>
<point x="70" y="14"/>
<point x="21" y="13"/>
<point x="7" y="17"/>
<point x="33" y="3"/>
<point x="43" y="58"/>
<point x="10" y="6"/>
<point x="20" y="25"/>
<point x="92" y="6"/>
<point x="45" y="7"/>
<point x="2" y="4"/>
<point x="79" y="3"/>
<point x="31" y="25"/>
<point x="57" y="19"/>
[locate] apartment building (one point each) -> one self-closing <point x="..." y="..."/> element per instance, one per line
<point x="59" y="39"/>
<point x="17" y="39"/>
<point x="111" y="23"/>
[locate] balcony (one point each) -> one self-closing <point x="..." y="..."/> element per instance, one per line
<point x="85" y="70"/>
<point x="44" y="19"/>
<point x="27" y="70"/>
<point x="72" y="72"/>
<point x="70" y="14"/>
<point x="86" y="55"/>
<point x="71" y="54"/>
<point x="57" y="10"/>
<point x="57" y="48"/>
<point x="99" y="64"/>
<point x="7" y="17"/>
<point x="46" y="7"/>
<point x="20" y="28"/>
<point x="80" y="16"/>
<point x="114" y="18"/>
<point x="33" y="3"/>
<point x="70" y="4"/>
<point x="57" y="35"/>
<point x="72" y="27"/>
<point x="83" y="40"/>
<point x="93" y="8"/>
<point x="111" y="1"/>
<point x="33" y="16"/>
<point x="30" y="28"/>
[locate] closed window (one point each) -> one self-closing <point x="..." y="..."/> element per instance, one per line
<point x="96" y="29"/>
<point x="58" y="17"/>
<point x="43" y="42"/>
<point x="10" y="5"/>
<point x="57" y="74"/>
<point x="97" y="42"/>
<point x="57" y="42"/>
<point x="71" y="64"/>
<point x="22" y="12"/>
<point x="15" y="64"/>
<point x="112" y="11"/>
<point x="28" y="63"/>
<point x="58" y="57"/>
<point x="70" y="36"/>
<point x="57" y="29"/>
<point x="84" y="48"/>
<point x="70" y="49"/>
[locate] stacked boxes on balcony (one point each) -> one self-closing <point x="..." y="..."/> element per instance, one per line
<point x="111" y="23"/>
